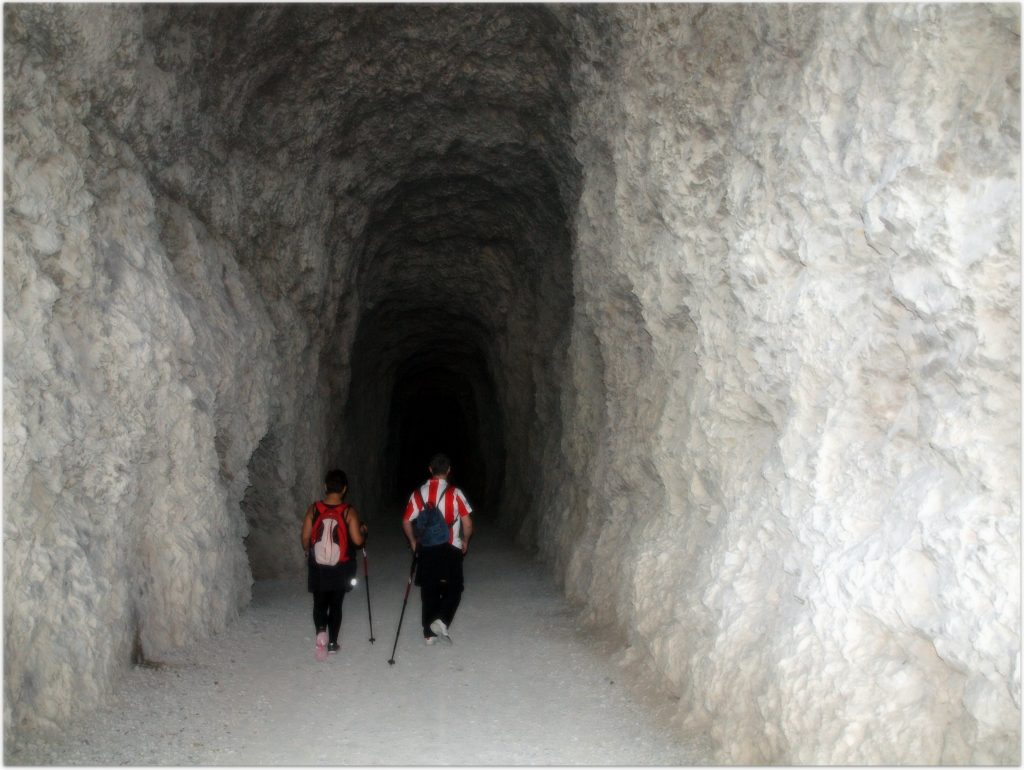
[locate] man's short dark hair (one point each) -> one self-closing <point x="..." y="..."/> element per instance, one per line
<point x="335" y="480"/>
<point x="439" y="464"/>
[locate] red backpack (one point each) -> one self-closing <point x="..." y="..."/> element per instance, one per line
<point x="330" y="534"/>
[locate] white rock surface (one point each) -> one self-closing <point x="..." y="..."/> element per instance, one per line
<point x="142" y="369"/>
<point x="793" y="418"/>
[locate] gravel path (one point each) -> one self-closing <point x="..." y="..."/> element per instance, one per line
<point x="521" y="685"/>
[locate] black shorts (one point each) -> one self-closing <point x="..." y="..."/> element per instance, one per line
<point x="336" y="578"/>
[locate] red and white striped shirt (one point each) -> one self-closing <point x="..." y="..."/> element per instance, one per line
<point x="454" y="506"/>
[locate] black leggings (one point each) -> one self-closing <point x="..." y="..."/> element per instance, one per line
<point x="327" y="612"/>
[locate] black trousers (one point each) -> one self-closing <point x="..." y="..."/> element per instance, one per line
<point x="439" y="576"/>
<point x="327" y="612"/>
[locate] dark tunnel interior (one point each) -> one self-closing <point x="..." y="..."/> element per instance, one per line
<point x="428" y="387"/>
<point x="435" y="407"/>
<point x="464" y="294"/>
<point x="451" y="196"/>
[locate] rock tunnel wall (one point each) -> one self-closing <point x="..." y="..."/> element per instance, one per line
<point x="792" y="420"/>
<point x="744" y="315"/>
<point x="154" y="377"/>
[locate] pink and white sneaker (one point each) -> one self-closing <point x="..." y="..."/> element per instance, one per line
<point x="321" y="646"/>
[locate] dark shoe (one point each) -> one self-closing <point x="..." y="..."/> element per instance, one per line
<point x="333" y="647"/>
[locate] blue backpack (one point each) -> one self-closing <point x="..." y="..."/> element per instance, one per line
<point x="430" y="527"/>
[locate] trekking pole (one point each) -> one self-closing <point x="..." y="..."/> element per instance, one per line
<point x="412" y="571"/>
<point x="366" y="579"/>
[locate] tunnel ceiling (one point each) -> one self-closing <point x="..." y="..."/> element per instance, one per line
<point x="443" y="130"/>
<point x="409" y="90"/>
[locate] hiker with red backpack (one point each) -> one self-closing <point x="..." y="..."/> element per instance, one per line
<point x="331" y="531"/>
<point x="437" y="525"/>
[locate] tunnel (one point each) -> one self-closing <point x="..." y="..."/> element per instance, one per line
<point x="715" y="309"/>
<point x="462" y="280"/>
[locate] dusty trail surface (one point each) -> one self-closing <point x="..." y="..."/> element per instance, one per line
<point x="521" y="685"/>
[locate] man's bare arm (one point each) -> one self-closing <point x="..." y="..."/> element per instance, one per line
<point x="407" y="529"/>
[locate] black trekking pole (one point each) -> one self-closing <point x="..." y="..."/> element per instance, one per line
<point x="366" y="579"/>
<point x="412" y="571"/>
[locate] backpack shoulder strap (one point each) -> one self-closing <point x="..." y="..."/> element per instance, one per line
<point x="317" y="515"/>
<point x="421" y="501"/>
<point x="449" y="487"/>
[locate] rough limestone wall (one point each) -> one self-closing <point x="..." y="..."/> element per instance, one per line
<point x="143" y="366"/>
<point x="793" y="404"/>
